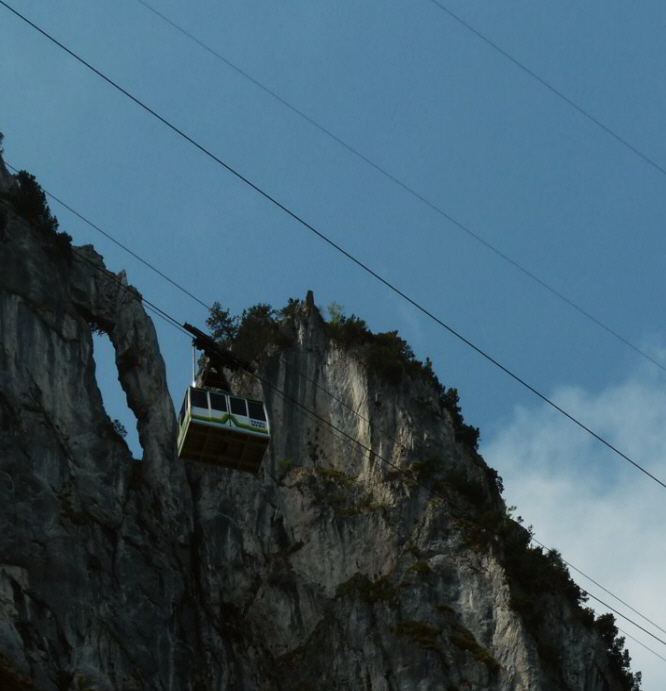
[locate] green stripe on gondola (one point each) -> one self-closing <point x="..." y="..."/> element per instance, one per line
<point x="222" y="419"/>
<point x="225" y="418"/>
<point x="244" y="425"/>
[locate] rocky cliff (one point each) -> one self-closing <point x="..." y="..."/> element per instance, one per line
<point x="373" y="551"/>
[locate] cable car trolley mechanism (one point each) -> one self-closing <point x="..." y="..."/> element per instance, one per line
<point x="218" y="427"/>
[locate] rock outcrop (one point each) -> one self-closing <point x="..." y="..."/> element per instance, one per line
<point x="371" y="553"/>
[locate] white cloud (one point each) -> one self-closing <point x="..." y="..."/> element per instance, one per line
<point x="606" y="517"/>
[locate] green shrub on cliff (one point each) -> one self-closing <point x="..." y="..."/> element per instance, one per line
<point x="620" y="661"/>
<point x="247" y="335"/>
<point x="27" y="199"/>
<point x="221" y="325"/>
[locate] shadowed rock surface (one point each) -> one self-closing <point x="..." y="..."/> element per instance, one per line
<point x="379" y="567"/>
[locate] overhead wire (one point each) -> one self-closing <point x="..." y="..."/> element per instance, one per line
<point x="312" y="415"/>
<point x="113" y="277"/>
<point x="585" y="113"/>
<point x="365" y="267"/>
<point x="626" y="604"/>
<point x="410" y="190"/>
<point x="606" y="590"/>
<point x="117" y="242"/>
<point x="628" y="635"/>
<point x="624" y="616"/>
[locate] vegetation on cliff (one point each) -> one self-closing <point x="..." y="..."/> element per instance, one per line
<point x="27" y="199"/>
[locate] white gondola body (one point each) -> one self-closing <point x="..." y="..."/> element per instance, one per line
<point x="217" y="427"/>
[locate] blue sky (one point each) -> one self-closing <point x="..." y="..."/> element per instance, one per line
<point x="411" y="89"/>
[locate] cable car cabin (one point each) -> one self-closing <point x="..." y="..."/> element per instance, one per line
<point x="217" y="427"/>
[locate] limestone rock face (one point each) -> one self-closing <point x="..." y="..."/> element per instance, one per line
<point x="350" y="562"/>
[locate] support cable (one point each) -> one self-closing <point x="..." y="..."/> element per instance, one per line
<point x="550" y="87"/>
<point x="589" y="578"/>
<point x="628" y="635"/>
<point x="624" y="616"/>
